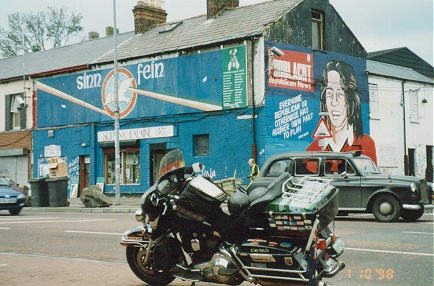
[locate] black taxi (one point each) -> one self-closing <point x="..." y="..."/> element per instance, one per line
<point x="362" y="186"/>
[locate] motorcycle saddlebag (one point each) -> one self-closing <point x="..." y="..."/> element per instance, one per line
<point x="202" y="195"/>
<point x="265" y="257"/>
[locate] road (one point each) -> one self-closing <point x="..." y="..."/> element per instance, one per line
<point x="83" y="248"/>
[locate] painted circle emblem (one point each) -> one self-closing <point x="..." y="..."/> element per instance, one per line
<point x="127" y="97"/>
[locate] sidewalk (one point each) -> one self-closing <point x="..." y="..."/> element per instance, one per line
<point x="128" y="204"/>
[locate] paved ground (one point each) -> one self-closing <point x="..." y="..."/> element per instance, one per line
<point x="128" y="204"/>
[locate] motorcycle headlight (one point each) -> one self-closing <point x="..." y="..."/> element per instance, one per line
<point x="413" y="187"/>
<point x="139" y="215"/>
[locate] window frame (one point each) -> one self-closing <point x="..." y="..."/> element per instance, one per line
<point x="199" y="139"/>
<point x="317" y="21"/>
<point x="109" y="177"/>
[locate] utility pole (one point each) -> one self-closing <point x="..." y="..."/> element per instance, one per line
<point x="115" y="86"/>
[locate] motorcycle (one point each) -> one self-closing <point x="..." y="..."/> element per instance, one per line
<point x="194" y="230"/>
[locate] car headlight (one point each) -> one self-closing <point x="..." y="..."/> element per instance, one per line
<point x="413" y="187"/>
<point x="21" y="196"/>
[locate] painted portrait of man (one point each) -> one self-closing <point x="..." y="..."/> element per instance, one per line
<point x="340" y="99"/>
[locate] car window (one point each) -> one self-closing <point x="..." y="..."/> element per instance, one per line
<point x="3" y="182"/>
<point x="306" y="166"/>
<point x="366" y="165"/>
<point x="335" y="166"/>
<point x="277" y="168"/>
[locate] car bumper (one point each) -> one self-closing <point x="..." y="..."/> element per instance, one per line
<point x="421" y="206"/>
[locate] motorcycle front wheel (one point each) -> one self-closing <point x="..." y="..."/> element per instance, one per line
<point x="136" y="258"/>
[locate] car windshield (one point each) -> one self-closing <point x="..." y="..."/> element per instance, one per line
<point x="5" y="181"/>
<point x="366" y="165"/>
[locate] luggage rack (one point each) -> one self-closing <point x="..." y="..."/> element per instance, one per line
<point x="305" y="189"/>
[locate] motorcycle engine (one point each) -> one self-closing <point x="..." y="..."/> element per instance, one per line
<point x="223" y="270"/>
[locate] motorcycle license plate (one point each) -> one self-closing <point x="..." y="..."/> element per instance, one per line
<point x="338" y="246"/>
<point x="8" y="200"/>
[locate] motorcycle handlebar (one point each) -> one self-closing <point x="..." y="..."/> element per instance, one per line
<point x="172" y="204"/>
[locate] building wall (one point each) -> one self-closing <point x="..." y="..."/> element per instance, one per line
<point x="387" y="123"/>
<point x="295" y="28"/>
<point x="16" y="145"/>
<point x="229" y="146"/>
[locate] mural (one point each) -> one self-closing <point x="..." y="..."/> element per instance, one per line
<point x="308" y="90"/>
<point x="178" y="85"/>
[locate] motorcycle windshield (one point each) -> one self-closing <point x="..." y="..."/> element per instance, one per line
<point x="171" y="161"/>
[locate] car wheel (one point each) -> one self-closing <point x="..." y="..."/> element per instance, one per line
<point x="386" y="208"/>
<point x="411" y="216"/>
<point x="15" y="211"/>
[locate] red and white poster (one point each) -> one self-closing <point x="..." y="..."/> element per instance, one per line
<point x="292" y="70"/>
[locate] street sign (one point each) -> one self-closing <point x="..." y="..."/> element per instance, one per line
<point x="321" y="130"/>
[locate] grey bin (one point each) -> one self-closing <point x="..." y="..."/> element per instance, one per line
<point x="39" y="187"/>
<point x="57" y="191"/>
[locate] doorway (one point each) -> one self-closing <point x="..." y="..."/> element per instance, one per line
<point x="84" y="173"/>
<point x="157" y="153"/>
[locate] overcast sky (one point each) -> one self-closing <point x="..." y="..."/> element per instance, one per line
<point x="378" y="24"/>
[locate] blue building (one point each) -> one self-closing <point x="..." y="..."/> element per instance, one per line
<point x="237" y="83"/>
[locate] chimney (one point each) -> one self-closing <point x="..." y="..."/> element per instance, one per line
<point x="147" y="14"/>
<point x="214" y="7"/>
<point x="109" y="31"/>
<point x="93" y="35"/>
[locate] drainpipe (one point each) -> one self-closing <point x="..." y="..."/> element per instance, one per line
<point x="254" y="148"/>
<point x="405" y="133"/>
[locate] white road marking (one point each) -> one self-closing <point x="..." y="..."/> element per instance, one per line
<point x="417" y="232"/>
<point x="51" y="221"/>
<point x="61" y="258"/>
<point x="5" y="228"/>
<point x="93" y="232"/>
<point x="25" y="218"/>
<point x="389" y="251"/>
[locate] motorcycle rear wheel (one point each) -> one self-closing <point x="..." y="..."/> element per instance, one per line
<point x="135" y="258"/>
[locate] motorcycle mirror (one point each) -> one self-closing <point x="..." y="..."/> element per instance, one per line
<point x="198" y="167"/>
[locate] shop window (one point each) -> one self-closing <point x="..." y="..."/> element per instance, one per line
<point x="317" y="30"/>
<point x="201" y="145"/>
<point x="129" y="166"/>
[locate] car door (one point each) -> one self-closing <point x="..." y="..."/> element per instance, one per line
<point x="348" y="183"/>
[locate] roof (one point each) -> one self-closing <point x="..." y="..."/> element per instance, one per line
<point x="65" y="57"/>
<point x="232" y="25"/>
<point x="396" y="71"/>
<point x="403" y="57"/>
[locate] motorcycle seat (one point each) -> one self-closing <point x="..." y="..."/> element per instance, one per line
<point x="272" y="191"/>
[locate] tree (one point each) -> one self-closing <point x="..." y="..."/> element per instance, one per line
<point x="30" y="32"/>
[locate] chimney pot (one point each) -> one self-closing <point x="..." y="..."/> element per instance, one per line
<point x="147" y="15"/>
<point x="93" y="35"/>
